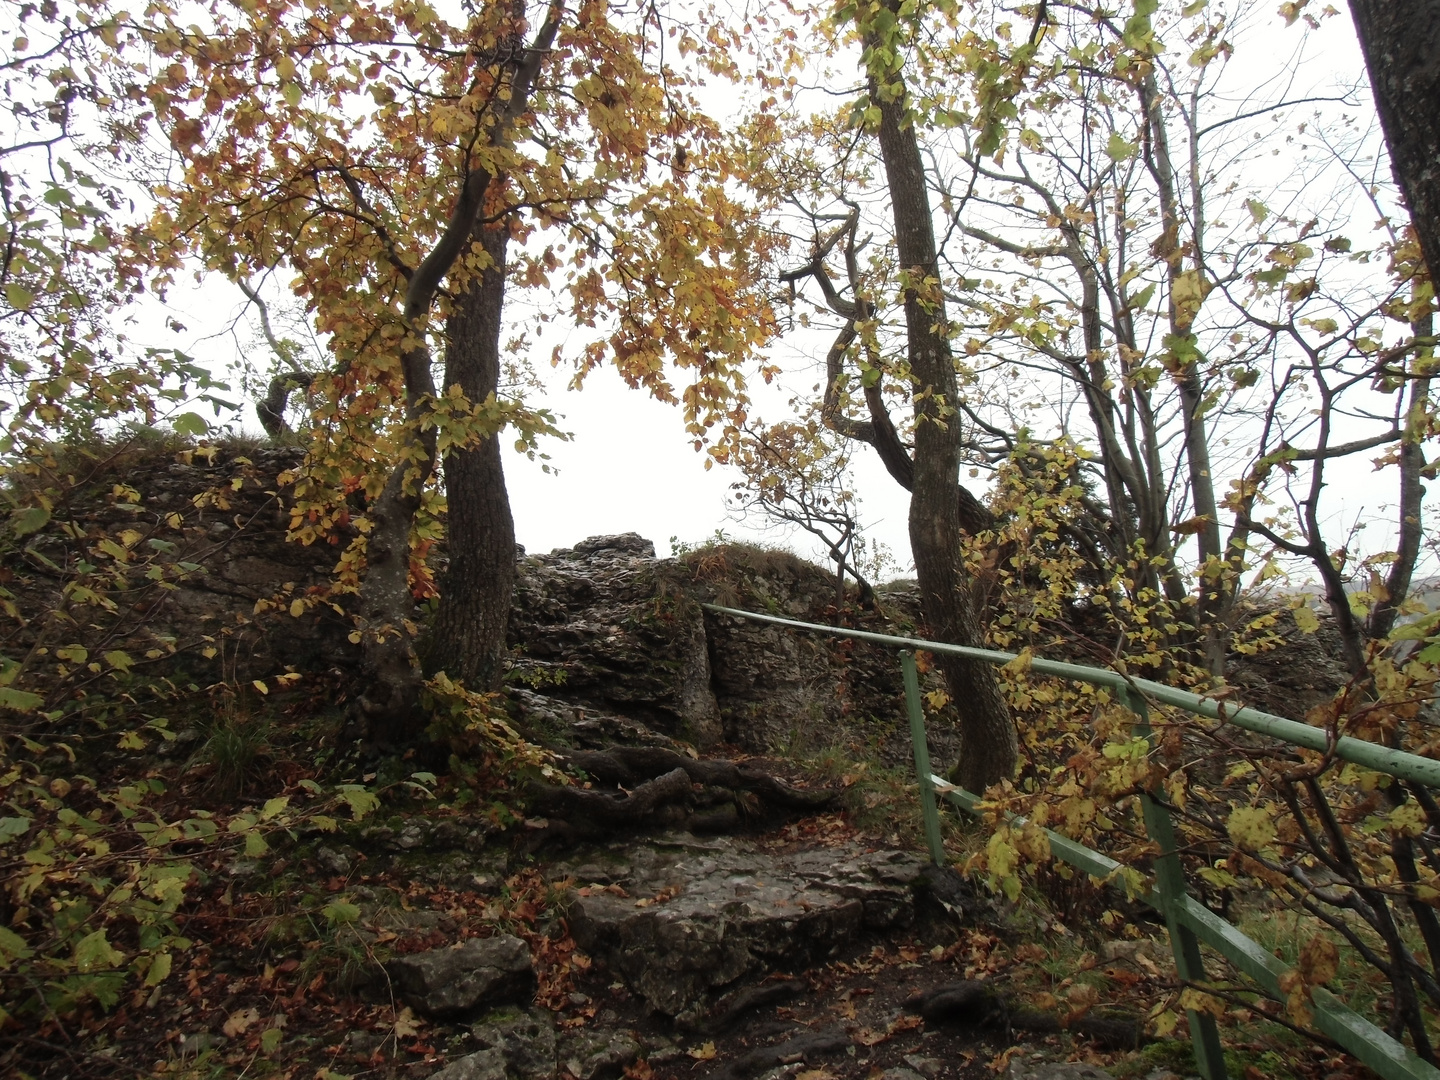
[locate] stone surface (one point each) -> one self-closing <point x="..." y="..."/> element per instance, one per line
<point x="483" y="1065"/>
<point x="925" y="1066"/>
<point x="595" y="1055"/>
<point x="459" y="981"/>
<point x="685" y="918"/>
<point x="526" y="1040"/>
<point x="602" y="624"/>
<point x="1026" y="1067"/>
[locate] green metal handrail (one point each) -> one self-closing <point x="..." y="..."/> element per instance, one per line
<point x="1188" y="922"/>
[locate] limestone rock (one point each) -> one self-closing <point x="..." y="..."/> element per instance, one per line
<point x="595" y="1055"/>
<point x="484" y="1065"/>
<point x="1027" y="1068"/>
<point x="459" y="981"/>
<point x="597" y="625"/>
<point x="722" y="910"/>
<point x="526" y="1040"/>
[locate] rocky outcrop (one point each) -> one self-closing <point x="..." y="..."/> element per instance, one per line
<point x="609" y="642"/>
<point x="524" y="1045"/>
<point x="606" y="636"/>
<point x="212" y="578"/>
<point x="602" y="625"/>
<point x="681" y="920"/>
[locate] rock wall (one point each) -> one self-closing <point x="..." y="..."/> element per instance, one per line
<point x="606" y="635"/>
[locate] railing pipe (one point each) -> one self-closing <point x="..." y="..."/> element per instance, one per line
<point x="1371" y="755"/>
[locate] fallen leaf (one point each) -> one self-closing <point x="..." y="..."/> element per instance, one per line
<point x="239" y="1021"/>
<point x="406" y="1024"/>
<point x="703" y="1052"/>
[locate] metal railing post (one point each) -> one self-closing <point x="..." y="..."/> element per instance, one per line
<point x="1170" y="891"/>
<point x="928" y="809"/>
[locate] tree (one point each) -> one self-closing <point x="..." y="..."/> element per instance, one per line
<point x="794" y="475"/>
<point x="1399" y="41"/>
<point x="408" y="171"/>
<point x="1117" y="282"/>
<point x="887" y="113"/>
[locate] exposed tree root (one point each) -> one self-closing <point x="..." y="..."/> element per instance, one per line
<point x="658" y="786"/>
<point x="806" y="1047"/>
<point x="972" y="1001"/>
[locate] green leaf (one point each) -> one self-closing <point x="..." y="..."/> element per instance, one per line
<point x="11" y="827"/>
<point x="94" y="952"/>
<point x="273" y="807"/>
<point x="360" y="801"/>
<point x="190" y="423"/>
<point x="29" y="520"/>
<point x="159" y="968"/>
<point x="1140" y="299"/>
<point x="270" y="1040"/>
<point x="1258" y="210"/>
<point x="340" y="912"/>
<point x="19" y="297"/>
<point x="255" y="845"/>
<point x="12" y="947"/>
<point x="1117" y="149"/>
<point x="19" y="700"/>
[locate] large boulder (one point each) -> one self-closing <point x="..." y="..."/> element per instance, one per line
<point x="681" y="920"/>
<point x="459" y="981"/>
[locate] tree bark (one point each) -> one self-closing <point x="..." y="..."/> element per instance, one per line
<point x="988" y="746"/>
<point x="1401" y="43"/>
<point x="468" y="639"/>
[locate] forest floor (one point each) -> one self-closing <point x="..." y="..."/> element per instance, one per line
<point x="285" y="978"/>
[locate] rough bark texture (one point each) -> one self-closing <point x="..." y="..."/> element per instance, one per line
<point x="468" y="641"/>
<point x="988" y="747"/>
<point x="1401" y="43"/>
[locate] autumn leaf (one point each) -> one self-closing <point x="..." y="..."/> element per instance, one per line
<point x="1251" y="827"/>
<point x="239" y="1022"/>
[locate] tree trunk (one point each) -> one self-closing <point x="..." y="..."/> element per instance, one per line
<point x="988" y="747"/>
<point x="390" y="705"/>
<point x="1401" y="43"/>
<point x="468" y="641"/>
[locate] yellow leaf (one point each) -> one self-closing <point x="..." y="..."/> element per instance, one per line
<point x="239" y="1021"/>
<point x="297" y="608"/>
<point x="1305" y="619"/>
<point x="406" y="1025"/>
<point x="1319" y="960"/>
<point x="159" y="968"/>
<point x="703" y="1052"/>
<point x="260" y="685"/>
<point x="1251" y="827"/>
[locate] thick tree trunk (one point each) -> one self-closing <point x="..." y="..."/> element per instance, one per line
<point x="988" y="747"/>
<point x="390" y="704"/>
<point x="1401" y="43"/>
<point x="468" y="640"/>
